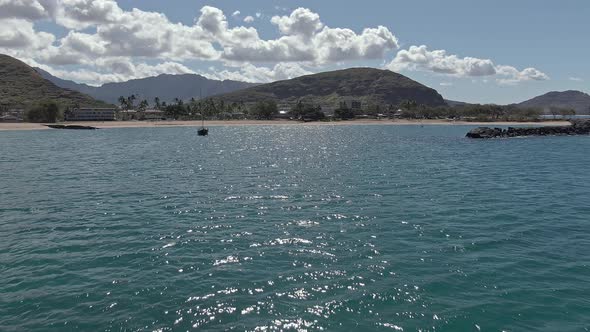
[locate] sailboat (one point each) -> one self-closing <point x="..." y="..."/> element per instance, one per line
<point x="202" y="131"/>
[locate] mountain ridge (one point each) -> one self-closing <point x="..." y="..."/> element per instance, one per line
<point x="368" y="85"/>
<point x="569" y="99"/>
<point x="167" y="87"/>
<point x="22" y="86"/>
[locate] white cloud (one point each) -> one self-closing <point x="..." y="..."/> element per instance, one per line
<point x="446" y="84"/>
<point x="335" y="45"/>
<point x="254" y="74"/>
<point x="138" y="34"/>
<point x="17" y="35"/>
<point x="301" y="22"/>
<point x="117" y="70"/>
<point x="306" y="39"/>
<point x="26" y="9"/>
<point x="439" y="61"/>
<point x="212" y="20"/>
<point x="106" y="42"/>
<point x="514" y="76"/>
<point x="101" y="29"/>
<point x="576" y="79"/>
<point x="80" y="14"/>
<point x="75" y="48"/>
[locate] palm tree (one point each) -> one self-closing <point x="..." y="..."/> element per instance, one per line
<point x="157" y="103"/>
<point x="123" y="102"/>
<point x="131" y="101"/>
<point x="143" y="105"/>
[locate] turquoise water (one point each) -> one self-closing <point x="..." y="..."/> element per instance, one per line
<point x="335" y="228"/>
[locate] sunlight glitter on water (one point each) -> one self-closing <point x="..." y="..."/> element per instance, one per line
<point x="421" y="231"/>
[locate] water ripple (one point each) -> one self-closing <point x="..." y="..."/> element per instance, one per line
<point x="372" y="228"/>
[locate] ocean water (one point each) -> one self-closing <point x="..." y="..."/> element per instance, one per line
<point x="268" y="228"/>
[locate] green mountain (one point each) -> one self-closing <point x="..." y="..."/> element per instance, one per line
<point x="367" y="85"/>
<point x="21" y="86"/>
<point x="576" y="100"/>
<point x="166" y="87"/>
<point x="455" y="103"/>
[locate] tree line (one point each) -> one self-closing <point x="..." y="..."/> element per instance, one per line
<point x="409" y="109"/>
<point x="208" y="108"/>
<point x="212" y="108"/>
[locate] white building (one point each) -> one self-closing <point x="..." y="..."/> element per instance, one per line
<point x="10" y="118"/>
<point x="12" y="115"/>
<point x="91" y="114"/>
<point x="153" y="115"/>
<point x="128" y="115"/>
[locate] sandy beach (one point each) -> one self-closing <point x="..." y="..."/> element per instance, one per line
<point x="154" y="124"/>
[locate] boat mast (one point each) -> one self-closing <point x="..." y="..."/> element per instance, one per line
<point x="202" y="110"/>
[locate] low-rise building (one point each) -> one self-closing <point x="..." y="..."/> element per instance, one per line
<point x="283" y="115"/>
<point x="91" y="114"/>
<point x="152" y="115"/>
<point x="12" y="115"/>
<point x="10" y="118"/>
<point x="398" y="114"/>
<point x="128" y="115"/>
<point x="353" y="104"/>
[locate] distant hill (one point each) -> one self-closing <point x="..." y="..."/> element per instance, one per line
<point x="21" y="86"/>
<point x="368" y="85"/>
<point x="166" y="87"/>
<point x="577" y="100"/>
<point x="71" y="85"/>
<point x="454" y="103"/>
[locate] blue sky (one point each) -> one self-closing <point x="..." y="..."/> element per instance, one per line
<point x="494" y="41"/>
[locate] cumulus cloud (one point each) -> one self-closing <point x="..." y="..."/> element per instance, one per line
<point x="439" y="61"/>
<point x="254" y="74"/>
<point x="108" y="43"/>
<point x="301" y="22"/>
<point x="334" y="45"/>
<point x="306" y="39"/>
<point x="117" y="70"/>
<point x="115" y="32"/>
<point x="18" y="35"/>
<point x="81" y="14"/>
<point x="25" y="9"/>
<point x="75" y="48"/>
<point x="514" y="76"/>
<point x="136" y="34"/>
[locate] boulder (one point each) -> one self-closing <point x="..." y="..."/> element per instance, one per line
<point x="578" y="127"/>
<point x="581" y="124"/>
<point x="484" y="132"/>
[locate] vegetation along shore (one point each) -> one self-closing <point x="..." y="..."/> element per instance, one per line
<point x="365" y="95"/>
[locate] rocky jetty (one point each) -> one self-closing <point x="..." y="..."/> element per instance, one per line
<point x="75" y="127"/>
<point x="578" y="127"/>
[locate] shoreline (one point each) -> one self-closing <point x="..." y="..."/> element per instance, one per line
<point x="217" y="123"/>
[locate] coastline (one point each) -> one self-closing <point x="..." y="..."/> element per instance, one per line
<point x="216" y="123"/>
